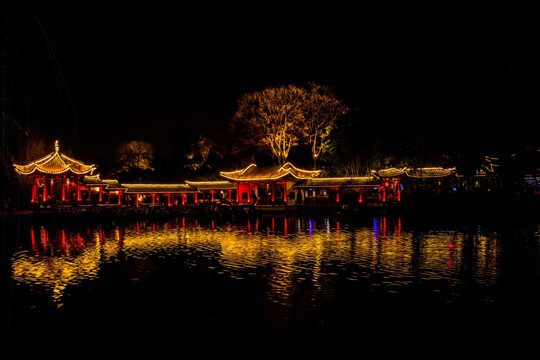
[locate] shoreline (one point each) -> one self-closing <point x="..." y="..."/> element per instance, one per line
<point x="449" y="210"/>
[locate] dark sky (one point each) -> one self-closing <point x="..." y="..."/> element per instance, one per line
<point x="135" y="69"/>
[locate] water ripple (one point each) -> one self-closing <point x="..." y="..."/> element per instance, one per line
<point x="284" y="253"/>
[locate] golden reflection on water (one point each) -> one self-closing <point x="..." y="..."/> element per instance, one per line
<point x="287" y="253"/>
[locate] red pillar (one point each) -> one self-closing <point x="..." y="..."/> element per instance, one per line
<point x="153" y="199"/>
<point x="119" y="197"/>
<point x="137" y="199"/>
<point x="285" y="191"/>
<point x="100" y="193"/>
<point x="68" y="190"/>
<point x="44" y="190"/>
<point x="212" y="195"/>
<point x="78" y="190"/>
<point x="34" y="190"/>
<point x="195" y="198"/>
<point x="66" y="186"/>
<point x="273" y="192"/>
<point x="230" y="195"/>
<point x="360" y="200"/>
<point x="63" y="189"/>
<point x="168" y="199"/>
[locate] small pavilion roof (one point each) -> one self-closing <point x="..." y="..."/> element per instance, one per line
<point x="159" y="189"/>
<point x="390" y="172"/>
<point x="337" y="182"/>
<point x="420" y="173"/>
<point x="55" y="163"/>
<point x="425" y="173"/>
<point x="212" y="185"/>
<point x="268" y="173"/>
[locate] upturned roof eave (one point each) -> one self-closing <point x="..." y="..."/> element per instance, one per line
<point x="42" y="171"/>
<point x="278" y="173"/>
<point x="241" y="179"/>
<point x="56" y="156"/>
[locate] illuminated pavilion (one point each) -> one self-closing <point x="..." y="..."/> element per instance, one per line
<point x="267" y="185"/>
<point x="395" y="181"/>
<point x="56" y="177"/>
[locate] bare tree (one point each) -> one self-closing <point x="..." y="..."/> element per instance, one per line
<point x="34" y="146"/>
<point x="199" y="151"/>
<point x="321" y="111"/>
<point x="135" y="154"/>
<point x="274" y="116"/>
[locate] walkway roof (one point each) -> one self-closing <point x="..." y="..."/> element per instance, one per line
<point x="340" y="182"/>
<point x="160" y="189"/>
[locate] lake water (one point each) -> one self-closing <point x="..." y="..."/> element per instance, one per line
<point x="272" y="285"/>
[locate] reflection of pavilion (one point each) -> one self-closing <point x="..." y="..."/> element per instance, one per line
<point x="62" y="257"/>
<point x="56" y="176"/>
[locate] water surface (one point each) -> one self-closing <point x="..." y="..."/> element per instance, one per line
<point x="306" y="283"/>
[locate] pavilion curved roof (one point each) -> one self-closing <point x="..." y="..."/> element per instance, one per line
<point x="421" y="173"/>
<point x="269" y="173"/>
<point x="390" y="172"/>
<point x="434" y="172"/>
<point x="55" y="163"/>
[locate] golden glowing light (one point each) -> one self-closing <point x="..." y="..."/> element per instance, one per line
<point x="286" y="250"/>
<point x="55" y="163"/>
<point x="253" y="173"/>
<point x="425" y="172"/>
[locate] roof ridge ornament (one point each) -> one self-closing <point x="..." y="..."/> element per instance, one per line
<point x="55" y="163"/>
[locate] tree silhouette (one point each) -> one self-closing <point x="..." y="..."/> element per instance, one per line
<point x="135" y="155"/>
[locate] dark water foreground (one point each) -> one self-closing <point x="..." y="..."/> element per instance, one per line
<point x="272" y="286"/>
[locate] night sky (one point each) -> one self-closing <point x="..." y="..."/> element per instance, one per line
<point x="94" y="74"/>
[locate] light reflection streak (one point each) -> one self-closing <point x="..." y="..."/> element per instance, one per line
<point x="376" y="229"/>
<point x="316" y="254"/>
